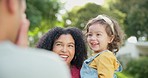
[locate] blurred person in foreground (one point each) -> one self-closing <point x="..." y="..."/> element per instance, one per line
<point x="16" y="59"/>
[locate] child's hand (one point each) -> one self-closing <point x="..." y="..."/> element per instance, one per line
<point x="22" y="39"/>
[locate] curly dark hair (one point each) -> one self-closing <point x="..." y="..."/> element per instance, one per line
<point x="118" y="33"/>
<point x="47" y="41"/>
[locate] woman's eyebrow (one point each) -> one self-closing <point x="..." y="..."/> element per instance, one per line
<point x="58" y="42"/>
<point x="72" y="43"/>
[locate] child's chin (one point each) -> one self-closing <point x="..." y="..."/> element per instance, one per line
<point x="95" y="49"/>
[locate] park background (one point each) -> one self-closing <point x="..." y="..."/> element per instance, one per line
<point x="132" y="16"/>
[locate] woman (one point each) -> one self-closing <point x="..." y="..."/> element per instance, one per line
<point x="69" y="44"/>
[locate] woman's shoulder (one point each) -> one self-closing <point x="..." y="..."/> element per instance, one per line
<point x="75" y="72"/>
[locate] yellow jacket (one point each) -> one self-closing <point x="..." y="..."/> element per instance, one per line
<point x="106" y="63"/>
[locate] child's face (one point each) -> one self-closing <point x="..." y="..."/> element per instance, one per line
<point x="97" y="37"/>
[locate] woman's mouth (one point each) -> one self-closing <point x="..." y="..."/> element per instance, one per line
<point x="64" y="57"/>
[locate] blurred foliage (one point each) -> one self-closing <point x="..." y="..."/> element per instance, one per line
<point x="79" y="16"/>
<point x="42" y="15"/>
<point x="124" y="75"/>
<point x="136" y="20"/>
<point x="42" y="10"/>
<point x="132" y="15"/>
<point x="138" y="67"/>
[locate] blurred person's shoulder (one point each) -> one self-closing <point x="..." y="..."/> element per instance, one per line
<point x="16" y="62"/>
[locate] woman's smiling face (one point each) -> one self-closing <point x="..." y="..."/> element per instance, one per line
<point x="64" y="46"/>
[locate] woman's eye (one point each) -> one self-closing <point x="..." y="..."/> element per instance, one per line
<point x="71" y="46"/>
<point x="58" y="44"/>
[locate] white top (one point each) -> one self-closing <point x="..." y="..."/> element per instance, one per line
<point x="16" y="62"/>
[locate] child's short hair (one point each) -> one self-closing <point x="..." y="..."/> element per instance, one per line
<point x="111" y="27"/>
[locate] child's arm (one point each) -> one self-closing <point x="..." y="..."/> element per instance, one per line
<point x="105" y="65"/>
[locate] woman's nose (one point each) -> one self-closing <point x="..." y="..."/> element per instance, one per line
<point x="64" y="49"/>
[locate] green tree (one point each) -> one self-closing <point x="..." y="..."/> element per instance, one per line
<point x="42" y="10"/>
<point x="42" y="15"/>
<point x="136" y="20"/>
<point x="79" y="16"/>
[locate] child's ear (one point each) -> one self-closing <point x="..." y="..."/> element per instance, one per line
<point x="10" y="5"/>
<point x="111" y="38"/>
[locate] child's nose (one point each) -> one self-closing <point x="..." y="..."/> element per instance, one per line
<point x="93" y="37"/>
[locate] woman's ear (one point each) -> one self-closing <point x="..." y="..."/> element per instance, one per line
<point x="111" y="38"/>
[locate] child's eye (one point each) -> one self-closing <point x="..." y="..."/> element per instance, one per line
<point x="98" y="34"/>
<point x="89" y="35"/>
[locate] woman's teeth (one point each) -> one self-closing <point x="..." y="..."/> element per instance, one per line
<point x="64" y="57"/>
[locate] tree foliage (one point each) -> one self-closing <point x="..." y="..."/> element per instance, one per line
<point x="132" y="15"/>
<point x="138" y="67"/>
<point x="42" y="15"/>
<point x="136" y="20"/>
<point x="79" y="16"/>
